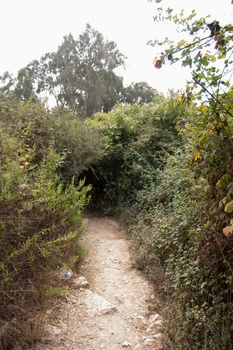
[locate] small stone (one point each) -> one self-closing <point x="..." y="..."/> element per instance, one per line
<point x="154" y="326"/>
<point x="81" y="282"/>
<point x="142" y="319"/>
<point x="140" y="322"/>
<point x="126" y="345"/>
<point x="154" y="318"/>
<point x="157" y="336"/>
<point x="149" y="341"/>
<point x="97" y="305"/>
<point x="67" y="274"/>
<point x="152" y="340"/>
<point x="152" y="296"/>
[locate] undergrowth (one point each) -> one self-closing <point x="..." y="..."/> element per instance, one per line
<point x="167" y="171"/>
<point x="40" y="208"/>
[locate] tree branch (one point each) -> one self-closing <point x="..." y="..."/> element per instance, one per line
<point x="216" y="99"/>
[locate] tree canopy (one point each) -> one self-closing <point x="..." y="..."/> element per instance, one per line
<point x="80" y="75"/>
<point x="81" y="72"/>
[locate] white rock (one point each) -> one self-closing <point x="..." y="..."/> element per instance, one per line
<point x="142" y="319"/>
<point x="126" y="345"/>
<point x="149" y="341"/>
<point x="154" y="326"/>
<point x="96" y="304"/>
<point x="140" y="322"/>
<point x="80" y="282"/>
<point x="154" y="318"/>
<point x="157" y="336"/>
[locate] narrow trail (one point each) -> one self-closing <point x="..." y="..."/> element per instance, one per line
<point x="115" y="311"/>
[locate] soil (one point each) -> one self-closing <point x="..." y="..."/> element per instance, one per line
<point x="116" y="310"/>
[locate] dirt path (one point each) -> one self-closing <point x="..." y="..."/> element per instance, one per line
<point x="114" y="311"/>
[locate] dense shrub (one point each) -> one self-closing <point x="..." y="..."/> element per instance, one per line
<point x="40" y="213"/>
<point x="167" y="169"/>
<point x="78" y="146"/>
<point x="137" y="140"/>
<point x="184" y="241"/>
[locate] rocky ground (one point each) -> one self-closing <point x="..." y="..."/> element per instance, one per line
<point x="112" y="305"/>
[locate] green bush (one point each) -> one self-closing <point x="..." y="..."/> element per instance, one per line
<point x="80" y="146"/>
<point x="181" y="244"/>
<point x="167" y="169"/>
<point x="37" y="128"/>
<point x="38" y="220"/>
<point x="137" y="140"/>
<point x="39" y="216"/>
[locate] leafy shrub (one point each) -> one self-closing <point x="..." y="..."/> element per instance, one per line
<point x="78" y="145"/>
<point x="39" y="217"/>
<point x="168" y="170"/>
<point x="137" y="139"/>
<point x="181" y="242"/>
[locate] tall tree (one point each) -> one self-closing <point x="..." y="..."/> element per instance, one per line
<point x="24" y="88"/>
<point x="7" y="83"/>
<point x="139" y="92"/>
<point x="20" y="87"/>
<point x="80" y="74"/>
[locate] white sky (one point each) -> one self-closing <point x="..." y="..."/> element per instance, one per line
<point x="30" y="28"/>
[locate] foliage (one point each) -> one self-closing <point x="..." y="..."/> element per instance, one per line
<point x="206" y="47"/>
<point x="166" y="166"/>
<point x="137" y="139"/>
<point x="20" y="88"/>
<point x="139" y="93"/>
<point x="184" y="221"/>
<point x="168" y="169"/>
<point x="182" y="247"/>
<point x="79" y="77"/>
<point x="80" y="74"/>
<point x="40" y="214"/>
<point x="77" y="145"/>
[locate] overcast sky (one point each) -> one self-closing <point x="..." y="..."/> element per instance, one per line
<point x="30" y="28"/>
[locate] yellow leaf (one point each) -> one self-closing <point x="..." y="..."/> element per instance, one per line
<point x="198" y="157"/>
<point x="228" y="230"/>
<point x="229" y="207"/>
